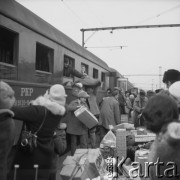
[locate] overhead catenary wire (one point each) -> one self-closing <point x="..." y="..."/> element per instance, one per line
<point x="158" y="15"/>
<point x="74" y="13"/>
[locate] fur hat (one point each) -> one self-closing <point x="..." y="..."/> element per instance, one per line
<point x="57" y="94"/>
<point x="174" y="90"/>
<point x="7" y="98"/>
<point x="83" y="94"/>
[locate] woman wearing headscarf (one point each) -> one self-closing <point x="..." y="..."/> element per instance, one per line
<point x="42" y="115"/>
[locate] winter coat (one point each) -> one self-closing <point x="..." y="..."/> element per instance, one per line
<point x="7" y="134"/>
<point x="109" y="112"/>
<point x="74" y="125"/>
<point x="93" y="107"/>
<point x="44" y="154"/>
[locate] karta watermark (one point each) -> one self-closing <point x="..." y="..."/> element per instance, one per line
<point x="160" y="169"/>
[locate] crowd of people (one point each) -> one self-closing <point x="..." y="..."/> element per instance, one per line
<point x="42" y="118"/>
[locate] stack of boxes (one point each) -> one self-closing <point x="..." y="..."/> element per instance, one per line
<point x="121" y="145"/>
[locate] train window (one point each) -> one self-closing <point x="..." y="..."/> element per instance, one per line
<point x="102" y="76"/>
<point x="69" y="64"/>
<point x="44" y="58"/>
<point x="8" y="46"/>
<point x="95" y="73"/>
<point x="84" y="68"/>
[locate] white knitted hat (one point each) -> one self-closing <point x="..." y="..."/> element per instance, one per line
<point x="57" y="94"/>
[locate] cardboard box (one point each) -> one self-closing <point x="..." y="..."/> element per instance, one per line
<point x="144" y="138"/>
<point x="75" y="168"/>
<point x="96" y="162"/>
<point x="86" y="117"/>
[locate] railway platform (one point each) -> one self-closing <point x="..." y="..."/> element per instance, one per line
<point x="124" y="119"/>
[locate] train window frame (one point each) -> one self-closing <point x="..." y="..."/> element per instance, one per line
<point x="86" y="68"/>
<point x="95" y="73"/>
<point x="103" y="76"/>
<point x="12" y="41"/>
<point x="49" y="53"/>
<point x="71" y="62"/>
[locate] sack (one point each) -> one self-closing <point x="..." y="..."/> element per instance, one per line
<point x="108" y="145"/>
<point x="28" y="141"/>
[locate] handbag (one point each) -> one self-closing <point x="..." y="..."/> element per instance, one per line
<point x="29" y="139"/>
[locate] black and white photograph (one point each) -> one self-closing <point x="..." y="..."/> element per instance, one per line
<point x="89" y="89"/>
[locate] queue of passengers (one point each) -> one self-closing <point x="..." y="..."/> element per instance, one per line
<point x="44" y="115"/>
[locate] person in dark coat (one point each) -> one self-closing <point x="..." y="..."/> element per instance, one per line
<point x="94" y="109"/>
<point x="7" y="126"/>
<point x="109" y="113"/>
<point x="75" y="127"/>
<point x="46" y="110"/>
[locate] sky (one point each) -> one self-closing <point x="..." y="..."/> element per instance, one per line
<point x="145" y="53"/>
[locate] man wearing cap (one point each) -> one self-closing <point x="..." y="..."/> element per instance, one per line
<point x="76" y="88"/>
<point x="75" y="127"/>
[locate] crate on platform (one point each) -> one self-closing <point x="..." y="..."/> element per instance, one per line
<point x="144" y="138"/>
<point x="86" y="117"/>
<point x="121" y="145"/>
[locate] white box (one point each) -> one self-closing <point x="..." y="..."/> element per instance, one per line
<point x="86" y="117"/>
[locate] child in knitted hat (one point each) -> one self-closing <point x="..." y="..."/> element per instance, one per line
<point x="7" y="126"/>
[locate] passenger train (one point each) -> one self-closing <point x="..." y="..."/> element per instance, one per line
<point x="33" y="55"/>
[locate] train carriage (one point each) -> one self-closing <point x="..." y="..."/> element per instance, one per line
<point x="33" y="54"/>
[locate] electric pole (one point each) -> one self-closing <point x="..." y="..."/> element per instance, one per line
<point x="126" y="27"/>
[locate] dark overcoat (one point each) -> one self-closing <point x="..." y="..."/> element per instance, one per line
<point x="74" y="125"/>
<point x="109" y="112"/>
<point x="44" y="154"/>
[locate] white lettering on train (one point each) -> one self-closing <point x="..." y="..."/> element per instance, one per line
<point x="26" y="91"/>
